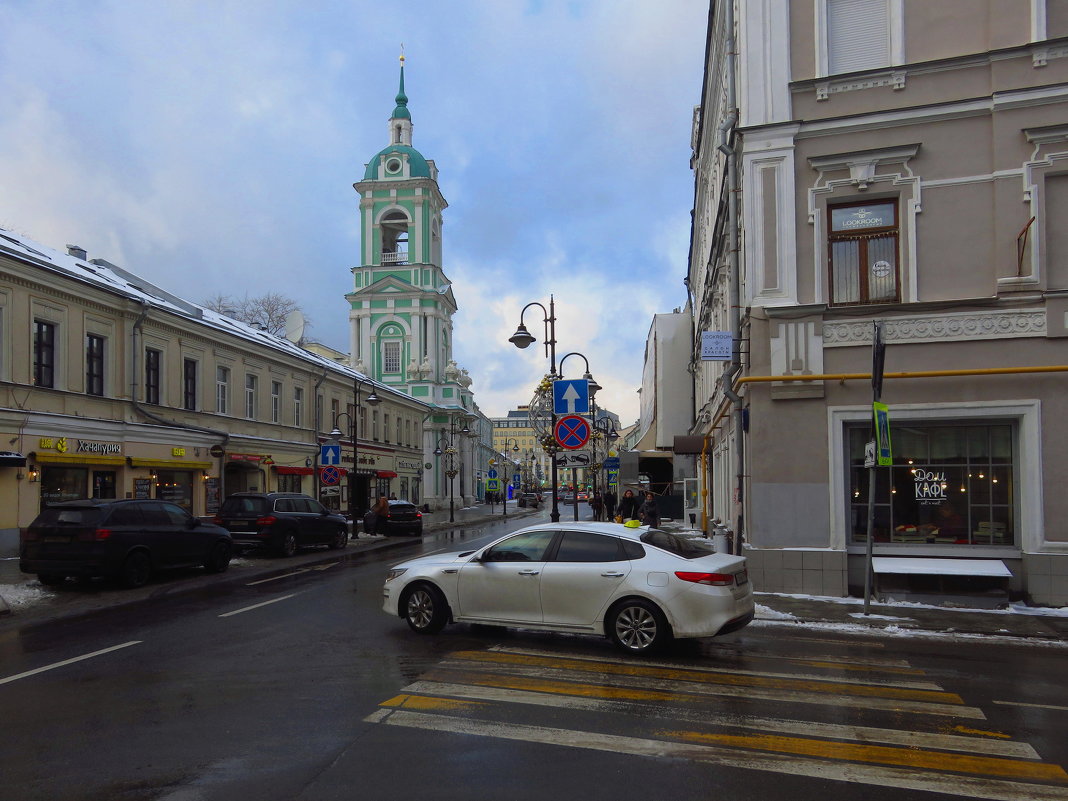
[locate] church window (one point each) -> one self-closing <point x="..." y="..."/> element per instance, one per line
<point x="394" y="227"/>
<point x="391" y="360"/>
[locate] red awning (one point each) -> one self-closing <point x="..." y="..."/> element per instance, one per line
<point x="293" y="471"/>
<point x="386" y="474"/>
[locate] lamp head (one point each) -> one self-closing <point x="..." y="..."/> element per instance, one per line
<point x="336" y="433"/>
<point x="522" y="337"/>
<point x="593" y="385"/>
<point x="373" y="399"/>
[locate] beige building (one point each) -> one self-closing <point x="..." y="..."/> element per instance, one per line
<point x="112" y="387"/>
<point x="901" y="162"/>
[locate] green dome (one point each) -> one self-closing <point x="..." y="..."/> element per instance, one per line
<point x="417" y="166"/>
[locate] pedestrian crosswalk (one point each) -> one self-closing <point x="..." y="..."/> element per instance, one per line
<point x="871" y="720"/>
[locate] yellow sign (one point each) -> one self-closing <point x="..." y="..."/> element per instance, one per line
<point x="177" y="451"/>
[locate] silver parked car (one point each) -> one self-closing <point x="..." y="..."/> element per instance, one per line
<point x="638" y="586"/>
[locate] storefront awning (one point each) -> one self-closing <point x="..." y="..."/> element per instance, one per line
<point x="170" y="464"/>
<point x="386" y="474"/>
<point x="78" y="458"/>
<point x="12" y="459"/>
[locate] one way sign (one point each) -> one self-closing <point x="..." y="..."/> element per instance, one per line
<point x="571" y="396"/>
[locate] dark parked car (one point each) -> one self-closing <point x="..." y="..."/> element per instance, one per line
<point x="123" y="539"/>
<point x="281" y="521"/>
<point x="529" y="499"/>
<point x="403" y="518"/>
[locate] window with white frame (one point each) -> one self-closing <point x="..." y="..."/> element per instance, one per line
<point x="858" y="35"/>
<point x="44" y="354"/>
<point x="391" y="360"/>
<point x="222" y="390"/>
<point x="153" y="375"/>
<point x="94" y="364"/>
<point x="250" y="396"/>
<point x="862" y="242"/>
<point x="298" y="406"/>
<point x="276" y="401"/>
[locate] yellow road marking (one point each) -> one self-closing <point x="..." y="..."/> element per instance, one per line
<point x="803" y="685"/>
<point x="422" y="702"/>
<point x="981" y="732"/>
<point x="904" y="671"/>
<point x="879" y="754"/>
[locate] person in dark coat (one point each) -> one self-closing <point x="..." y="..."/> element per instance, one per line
<point x="648" y="512"/>
<point x="372" y="520"/>
<point x="628" y="506"/>
<point x="597" y="504"/>
<point x="609" y="505"/>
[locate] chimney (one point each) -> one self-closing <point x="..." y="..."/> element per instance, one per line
<point x="77" y="251"/>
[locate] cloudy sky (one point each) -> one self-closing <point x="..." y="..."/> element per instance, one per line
<point x="211" y="146"/>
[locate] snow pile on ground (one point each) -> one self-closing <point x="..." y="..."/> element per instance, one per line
<point x="19" y="595"/>
<point x="767" y="613"/>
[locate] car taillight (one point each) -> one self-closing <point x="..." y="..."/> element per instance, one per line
<point x="268" y="520"/>
<point x="101" y="534"/>
<point x="711" y="579"/>
<point x="418" y="514"/>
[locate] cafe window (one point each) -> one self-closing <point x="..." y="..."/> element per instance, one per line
<point x="60" y="484"/>
<point x="948" y="485"/>
<point x="94" y="364"/>
<point x="152" y="376"/>
<point x="44" y="354"/>
<point x="863" y="253"/>
<point x="175" y="486"/>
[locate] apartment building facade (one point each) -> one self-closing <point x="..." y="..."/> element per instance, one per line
<point x="113" y="387"/>
<point x="896" y="162"/>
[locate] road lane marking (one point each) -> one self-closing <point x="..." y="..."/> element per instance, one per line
<point x="257" y="606"/>
<point x="277" y="578"/>
<point x="880" y="754"/>
<point x="591" y="703"/>
<point x="1033" y="706"/>
<point x="879" y="775"/>
<point x="425" y="703"/>
<point x="674" y="666"/>
<point x="66" y="662"/>
<point x="514" y="677"/>
<point x="771" y="681"/>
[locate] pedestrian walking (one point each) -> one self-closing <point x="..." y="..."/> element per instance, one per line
<point x="372" y="521"/>
<point x="648" y="512"/>
<point x="628" y="506"/>
<point x="609" y="505"/>
<point x="597" y="505"/>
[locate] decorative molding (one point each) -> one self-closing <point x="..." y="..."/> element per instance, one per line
<point x="893" y="78"/>
<point x="1040" y="56"/>
<point x="954" y="327"/>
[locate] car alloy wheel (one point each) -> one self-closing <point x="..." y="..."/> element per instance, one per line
<point x="425" y="609"/>
<point x="638" y="627"/>
<point x="219" y="558"/>
<point x="289" y="544"/>
<point x="136" y="570"/>
<point x="341" y="539"/>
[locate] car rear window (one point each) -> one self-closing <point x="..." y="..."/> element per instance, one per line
<point x="237" y="507"/>
<point x="68" y="516"/>
<point x="680" y="546"/>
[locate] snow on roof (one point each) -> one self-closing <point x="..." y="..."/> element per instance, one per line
<point x="114" y="279"/>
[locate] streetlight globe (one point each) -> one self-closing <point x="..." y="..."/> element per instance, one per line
<point x="373" y="399"/>
<point x="522" y="337"/>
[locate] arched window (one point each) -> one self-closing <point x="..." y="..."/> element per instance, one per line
<point x="394" y="227"/>
<point x="390" y="339"/>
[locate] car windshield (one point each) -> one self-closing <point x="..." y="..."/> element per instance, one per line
<point x="68" y="516"/>
<point x="680" y="546"/>
<point x="244" y="506"/>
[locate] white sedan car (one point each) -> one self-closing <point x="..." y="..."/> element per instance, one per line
<point x="638" y="586"/>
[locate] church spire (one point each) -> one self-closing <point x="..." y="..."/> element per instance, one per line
<point x="401" y="111"/>
<point x="400" y="123"/>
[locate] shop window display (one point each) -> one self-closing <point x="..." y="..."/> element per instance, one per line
<point x="948" y="485"/>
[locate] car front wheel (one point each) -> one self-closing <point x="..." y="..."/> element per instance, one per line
<point x="425" y="609"/>
<point x="136" y="570"/>
<point x="638" y="626"/>
<point x="219" y="558"/>
<point x="288" y="546"/>
<point x="341" y="539"/>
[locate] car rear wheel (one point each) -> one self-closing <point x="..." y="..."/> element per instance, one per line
<point x="288" y="546"/>
<point x="425" y="609"/>
<point x="341" y="539"/>
<point x="136" y="570"/>
<point x="638" y="626"/>
<point x="219" y="558"/>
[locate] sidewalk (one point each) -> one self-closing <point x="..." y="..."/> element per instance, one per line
<point x="28" y="599"/>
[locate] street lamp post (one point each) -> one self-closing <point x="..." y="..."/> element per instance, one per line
<point x="372" y="400"/>
<point x="450" y="451"/>
<point x="504" y="493"/>
<point x="522" y="339"/>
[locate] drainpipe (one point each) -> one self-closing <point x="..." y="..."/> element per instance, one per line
<point x="135" y="384"/>
<point x="726" y="129"/>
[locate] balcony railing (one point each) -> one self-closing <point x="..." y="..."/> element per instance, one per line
<point x="394" y="258"/>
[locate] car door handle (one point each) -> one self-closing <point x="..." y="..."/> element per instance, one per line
<point x="613" y="574"/>
<point x="529" y="572"/>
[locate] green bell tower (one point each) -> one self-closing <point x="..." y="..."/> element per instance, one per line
<point x="402" y="304"/>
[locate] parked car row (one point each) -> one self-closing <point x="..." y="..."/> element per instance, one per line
<point x="129" y="540"/>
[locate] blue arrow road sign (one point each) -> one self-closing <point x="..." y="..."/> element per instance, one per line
<point x="571" y="396"/>
<point x="611" y="463"/>
<point x="330" y="454"/>
<point x="491" y="473"/>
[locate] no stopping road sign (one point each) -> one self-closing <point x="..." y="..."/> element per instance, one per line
<point x="572" y="431"/>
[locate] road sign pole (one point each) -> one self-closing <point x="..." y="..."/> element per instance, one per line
<point x="878" y="357"/>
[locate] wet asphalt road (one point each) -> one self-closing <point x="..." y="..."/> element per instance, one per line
<point x="299" y="687"/>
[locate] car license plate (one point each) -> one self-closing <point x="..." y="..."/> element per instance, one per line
<point x="741" y="578"/>
<point x="55" y="539"/>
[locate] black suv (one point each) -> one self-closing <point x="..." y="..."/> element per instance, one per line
<point x="281" y="521"/>
<point x="123" y="539"/>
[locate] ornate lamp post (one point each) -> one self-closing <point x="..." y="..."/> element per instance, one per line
<point x="450" y="453"/>
<point x="372" y="400"/>
<point x="522" y="338"/>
